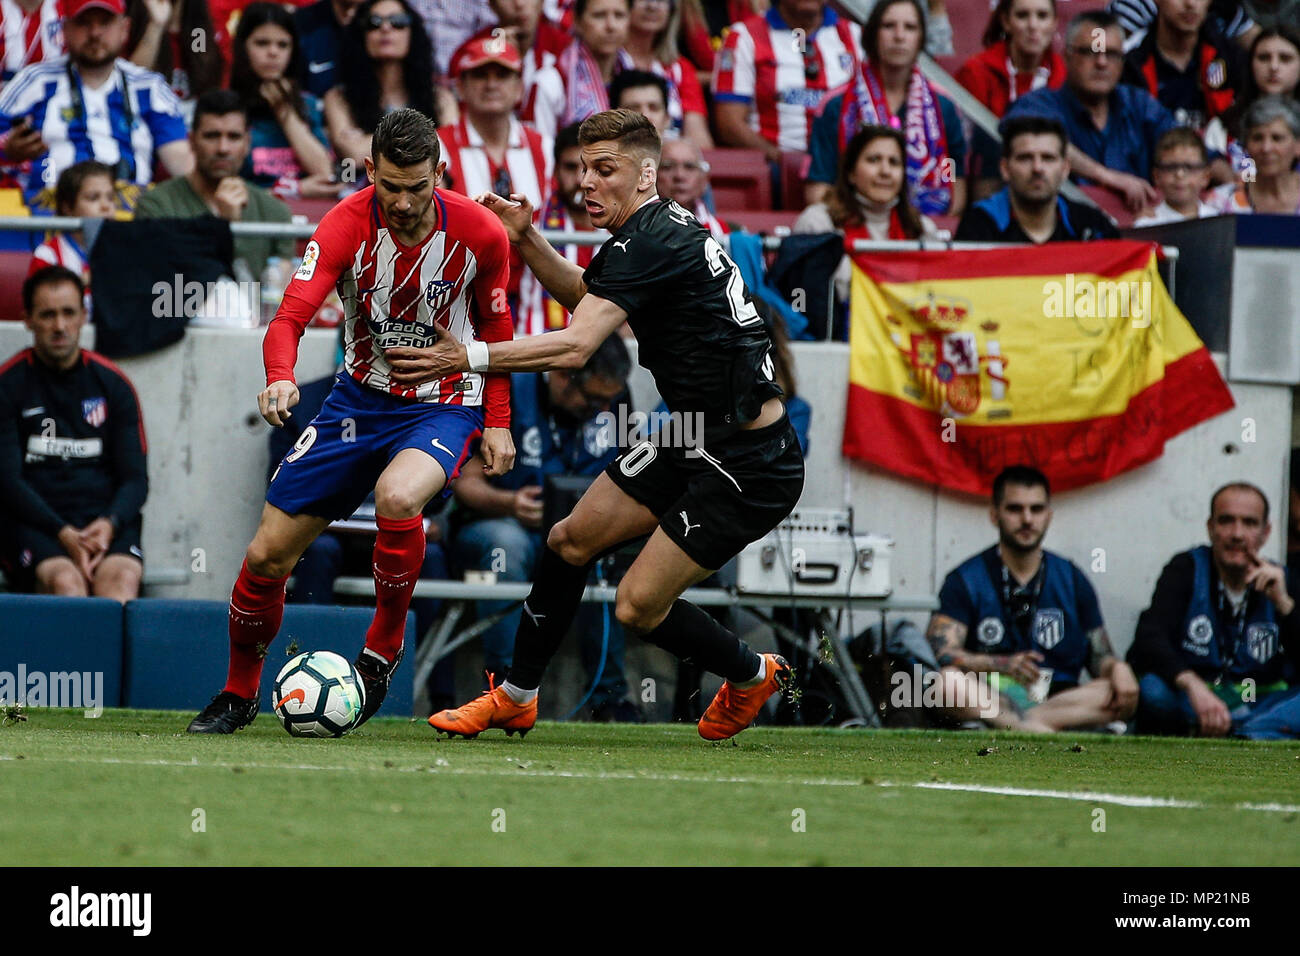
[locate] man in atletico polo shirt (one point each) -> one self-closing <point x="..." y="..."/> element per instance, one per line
<point x="409" y="261"/>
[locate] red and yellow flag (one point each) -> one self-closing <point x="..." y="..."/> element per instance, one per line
<point x="1070" y="357"/>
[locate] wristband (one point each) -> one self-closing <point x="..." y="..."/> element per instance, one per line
<point x="476" y="354"/>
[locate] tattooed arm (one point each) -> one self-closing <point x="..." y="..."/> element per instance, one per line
<point x="1103" y="663"/>
<point x="948" y="638"/>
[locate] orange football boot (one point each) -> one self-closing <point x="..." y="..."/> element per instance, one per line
<point x="493" y="708"/>
<point x="734" y="709"/>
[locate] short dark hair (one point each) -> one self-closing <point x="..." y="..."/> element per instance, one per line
<point x="566" y="138"/>
<point x="631" y="80"/>
<point x="218" y="103"/>
<point x="72" y="179"/>
<point x="1098" y="18"/>
<point x="1239" y="486"/>
<point x="1032" y="126"/>
<point x="1024" y="475"/>
<point x="406" y="137"/>
<point x="632" y="131"/>
<point x="610" y="360"/>
<point x="1181" y="136"/>
<point x="50" y="275"/>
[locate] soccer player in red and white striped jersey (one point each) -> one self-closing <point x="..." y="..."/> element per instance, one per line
<point x="30" y="31"/>
<point x="774" y="71"/>
<point x="409" y="261"/>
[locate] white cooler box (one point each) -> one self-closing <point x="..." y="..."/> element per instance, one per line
<point x="813" y="552"/>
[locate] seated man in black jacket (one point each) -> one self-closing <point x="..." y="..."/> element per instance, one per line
<point x="1218" y="650"/>
<point x="1030" y="208"/>
<point x="72" y="452"/>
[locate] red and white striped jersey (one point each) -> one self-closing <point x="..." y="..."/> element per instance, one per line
<point x="717" y="228"/>
<point x="538" y="312"/>
<point x="472" y="171"/>
<point x="783" y="76"/>
<point x="27" y="38"/>
<point x="394" y="296"/>
<point x="526" y="170"/>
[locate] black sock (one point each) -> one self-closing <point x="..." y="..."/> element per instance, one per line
<point x="548" y="612"/>
<point x="692" y="635"/>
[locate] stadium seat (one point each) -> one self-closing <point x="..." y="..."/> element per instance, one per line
<point x="794" y="173"/>
<point x="63" y="636"/>
<point x="765" y="222"/>
<point x="176" y="651"/>
<point x="313" y="209"/>
<point x="13" y="270"/>
<point x="1111" y="204"/>
<point x="740" y="179"/>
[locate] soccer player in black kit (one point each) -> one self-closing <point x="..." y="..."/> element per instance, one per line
<point x="705" y="344"/>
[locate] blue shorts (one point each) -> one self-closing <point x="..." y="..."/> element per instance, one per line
<point x="341" y="454"/>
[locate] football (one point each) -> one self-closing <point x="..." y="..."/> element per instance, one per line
<point x="318" y="694"/>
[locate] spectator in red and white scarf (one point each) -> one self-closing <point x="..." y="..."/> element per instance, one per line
<point x="889" y="90"/>
<point x="585" y="67"/>
<point x="652" y="44"/>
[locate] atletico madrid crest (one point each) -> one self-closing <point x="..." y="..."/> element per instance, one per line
<point x="94" y="411"/>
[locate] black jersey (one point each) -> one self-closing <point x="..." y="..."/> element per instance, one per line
<point x="72" y="445"/>
<point x="697" y="331"/>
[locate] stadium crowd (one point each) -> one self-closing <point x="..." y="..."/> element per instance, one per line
<point x="775" y="114"/>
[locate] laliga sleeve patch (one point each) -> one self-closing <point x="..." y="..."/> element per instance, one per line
<point x="990" y="631"/>
<point x="309" y="259"/>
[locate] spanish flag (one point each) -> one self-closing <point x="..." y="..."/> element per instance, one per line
<point x="1070" y="357"/>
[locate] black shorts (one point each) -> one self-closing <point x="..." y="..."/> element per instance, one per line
<point x="36" y="546"/>
<point x="713" y="500"/>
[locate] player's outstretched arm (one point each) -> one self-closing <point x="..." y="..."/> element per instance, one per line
<point x="560" y="277"/>
<point x="594" y="320"/>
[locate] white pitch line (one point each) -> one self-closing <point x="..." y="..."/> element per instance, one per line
<point x="1120" y="799"/>
<point x="1123" y="800"/>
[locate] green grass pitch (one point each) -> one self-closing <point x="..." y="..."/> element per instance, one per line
<point x="131" y="788"/>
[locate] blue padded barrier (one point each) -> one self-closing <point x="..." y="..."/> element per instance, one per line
<point x="177" y="651"/>
<point x="57" y="636"/>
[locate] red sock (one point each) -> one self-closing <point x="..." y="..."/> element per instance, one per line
<point x="256" y="608"/>
<point x="399" y="554"/>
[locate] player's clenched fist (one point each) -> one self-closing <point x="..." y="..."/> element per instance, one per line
<point x="515" y="213"/>
<point x="498" y="450"/>
<point x="275" y="400"/>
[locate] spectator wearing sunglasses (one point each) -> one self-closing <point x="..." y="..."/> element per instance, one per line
<point x="386" y="64"/>
<point x="775" y="70"/>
